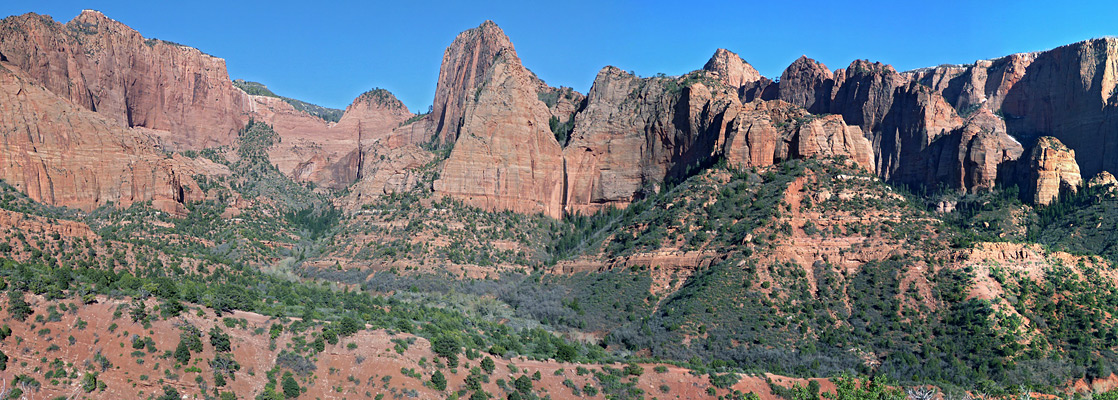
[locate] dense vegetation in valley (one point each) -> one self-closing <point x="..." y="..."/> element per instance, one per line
<point x="507" y="285"/>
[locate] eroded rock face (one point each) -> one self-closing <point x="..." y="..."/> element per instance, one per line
<point x="633" y="133"/>
<point x="919" y="137"/>
<point x="388" y="170"/>
<point x="1067" y="93"/>
<point x="466" y="64"/>
<point x="765" y="133"/>
<point x="328" y="154"/>
<point x="374" y="116"/>
<point x="1053" y="168"/>
<point x="105" y="66"/>
<point x="506" y="157"/>
<point x="65" y="155"/>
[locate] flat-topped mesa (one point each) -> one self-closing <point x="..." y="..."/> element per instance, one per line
<point x="466" y="63"/>
<point x="104" y="66"/>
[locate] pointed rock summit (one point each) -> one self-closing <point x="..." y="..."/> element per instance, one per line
<point x="731" y="69"/>
<point x="466" y="63"/>
<point x="505" y="155"/>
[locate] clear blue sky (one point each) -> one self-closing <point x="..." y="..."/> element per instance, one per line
<point x="329" y="52"/>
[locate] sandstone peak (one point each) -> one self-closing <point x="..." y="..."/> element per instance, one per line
<point x="92" y="13"/>
<point x="859" y="67"/>
<point x="731" y="69"/>
<point x="466" y="62"/>
<point x="90" y="21"/>
<point x="506" y="156"/>
<point x="807" y="83"/>
<point x="807" y="63"/>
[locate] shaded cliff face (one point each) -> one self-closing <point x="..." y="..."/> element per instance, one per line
<point x="105" y="66"/>
<point x="506" y="157"/>
<point x="919" y="137"/>
<point x="1067" y="93"/>
<point x="65" y="155"/>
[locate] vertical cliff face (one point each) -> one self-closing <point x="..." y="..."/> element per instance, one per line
<point x="506" y="157"/>
<point x="105" y="66"/>
<point x="609" y="157"/>
<point x="466" y="64"/>
<point x="1052" y="168"/>
<point x="635" y="132"/>
<point x="929" y="128"/>
<point x="65" y="155"/>
<point x="1067" y="93"/>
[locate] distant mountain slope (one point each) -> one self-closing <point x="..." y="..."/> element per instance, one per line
<point x="258" y="89"/>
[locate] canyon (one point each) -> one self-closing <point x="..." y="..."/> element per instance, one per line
<point x="963" y="127"/>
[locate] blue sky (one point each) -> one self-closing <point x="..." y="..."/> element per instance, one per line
<point x="330" y="52"/>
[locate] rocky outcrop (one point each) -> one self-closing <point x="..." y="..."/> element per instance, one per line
<point x="65" y="155"/>
<point x="563" y="102"/>
<point x="764" y="133"/>
<point x="984" y="146"/>
<point x="634" y="133"/>
<point x="388" y="170"/>
<point x="105" y="66"/>
<point x="919" y="137"/>
<point x="1053" y="169"/>
<point x="466" y="64"/>
<point x="1103" y="179"/>
<point x="374" y="117"/>
<point x="505" y="157"/>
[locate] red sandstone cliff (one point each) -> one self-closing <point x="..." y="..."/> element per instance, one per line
<point x="65" y="155"/>
<point x="104" y="66"/>
<point x="506" y="157"/>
